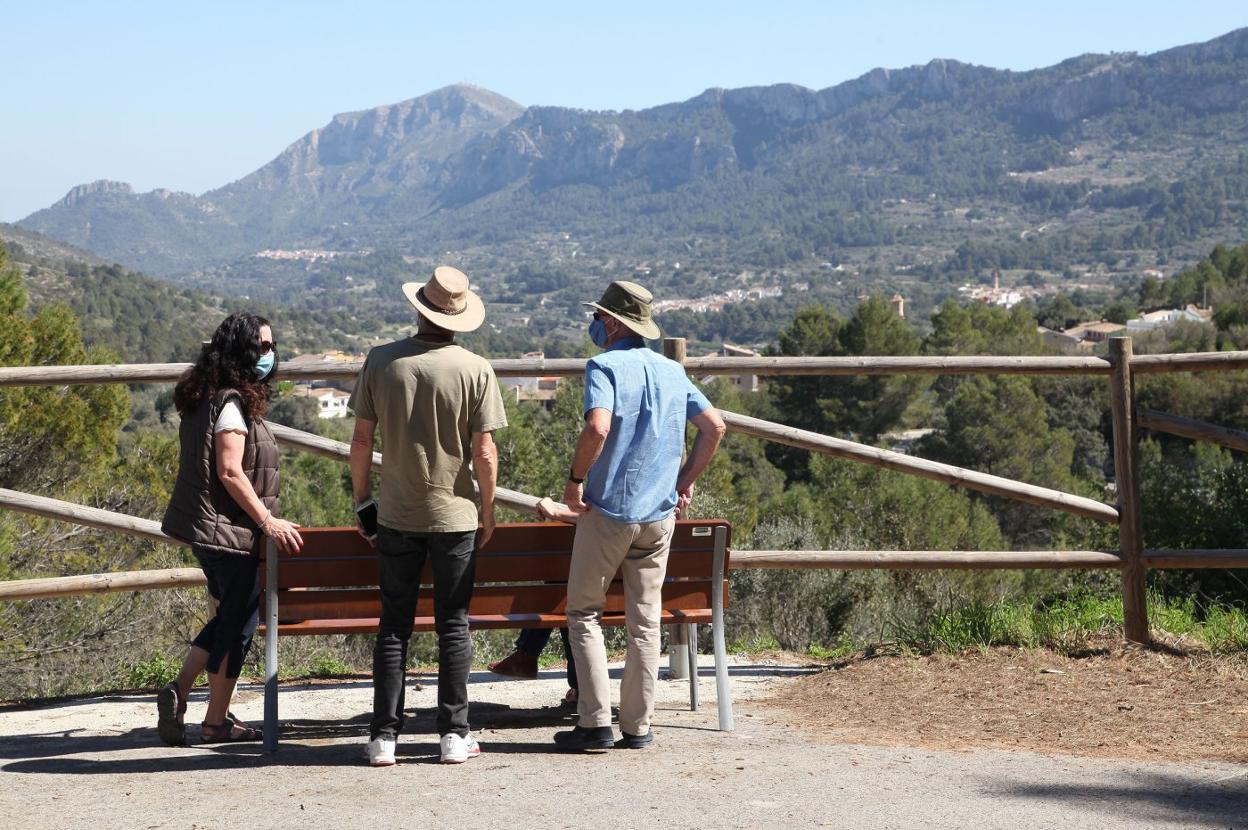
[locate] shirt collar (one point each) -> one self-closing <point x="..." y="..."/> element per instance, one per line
<point x="628" y="343"/>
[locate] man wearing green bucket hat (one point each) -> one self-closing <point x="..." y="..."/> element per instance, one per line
<point x="626" y="483"/>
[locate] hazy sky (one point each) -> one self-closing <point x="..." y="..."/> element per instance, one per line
<point x="191" y="96"/>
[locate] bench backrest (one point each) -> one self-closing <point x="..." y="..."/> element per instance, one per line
<point x="523" y="570"/>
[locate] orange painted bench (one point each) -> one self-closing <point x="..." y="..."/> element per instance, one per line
<point x="330" y="587"/>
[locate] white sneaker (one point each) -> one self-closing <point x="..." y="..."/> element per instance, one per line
<point x="379" y="752"/>
<point x="456" y="749"/>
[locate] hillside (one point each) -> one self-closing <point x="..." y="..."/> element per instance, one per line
<point x="140" y="319"/>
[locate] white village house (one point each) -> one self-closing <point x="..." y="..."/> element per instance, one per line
<point x="330" y="403"/>
<point x="1168" y="317"/>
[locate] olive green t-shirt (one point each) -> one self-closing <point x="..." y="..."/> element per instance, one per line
<point x="428" y="398"/>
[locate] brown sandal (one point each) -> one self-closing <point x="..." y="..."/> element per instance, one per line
<point x="230" y="732"/>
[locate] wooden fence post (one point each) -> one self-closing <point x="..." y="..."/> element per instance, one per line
<point x="1130" y="529"/>
<point x="674" y="349"/>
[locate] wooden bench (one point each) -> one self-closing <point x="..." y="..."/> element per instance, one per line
<point x="520" y="582"/>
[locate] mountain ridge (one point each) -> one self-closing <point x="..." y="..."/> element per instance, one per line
<point x="464" y="165"/>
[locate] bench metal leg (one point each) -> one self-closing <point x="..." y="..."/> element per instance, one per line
<point x="692" y="637"/>
<point x="677" y="663"/>
<point x="270" y="648"/>
<point x="723" y="694"/>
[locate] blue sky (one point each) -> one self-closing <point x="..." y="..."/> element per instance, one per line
<point x="192" y="96"/>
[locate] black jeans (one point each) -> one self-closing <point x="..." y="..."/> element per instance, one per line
<point x="532" y="641"/>
<point x="234" y="582"/>
<point x="402" y="558"/>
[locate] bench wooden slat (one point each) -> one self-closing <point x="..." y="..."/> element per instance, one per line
<point x="326" y="571"/>
<point x="521" y="537"/>
<point x="486" y="600"/>
<point x="480" y="622"/>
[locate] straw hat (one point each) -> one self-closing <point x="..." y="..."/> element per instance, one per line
<point x="629" y="303"/>
<point x="446" y="301"/>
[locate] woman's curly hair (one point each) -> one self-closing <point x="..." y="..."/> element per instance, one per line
<point x="228" y="361"/>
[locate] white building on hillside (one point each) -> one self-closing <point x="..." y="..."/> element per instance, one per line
<point x="330" y="403"/>
<point x="1168" y="317"/>
<point x="328" y="360"/>
<point x="745" y="382"/>
<point x="543" y="389"/>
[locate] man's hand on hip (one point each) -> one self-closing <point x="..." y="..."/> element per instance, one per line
<point x="684" y="496"/>
<point x="573" y="497"/>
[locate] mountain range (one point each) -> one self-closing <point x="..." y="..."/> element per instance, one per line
<point x="1096" y="144"/>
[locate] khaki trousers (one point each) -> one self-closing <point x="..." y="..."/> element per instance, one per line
<point x="603" y="547"/>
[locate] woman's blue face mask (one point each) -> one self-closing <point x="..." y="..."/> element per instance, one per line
<point x="598" y="333"/>
<point x="264" y="365"/>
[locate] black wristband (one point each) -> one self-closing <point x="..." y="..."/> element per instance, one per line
<point x="572" y="477"/>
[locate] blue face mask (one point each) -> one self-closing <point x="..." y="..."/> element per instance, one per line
<point x="598" y="333"/>
<point x="264" y="365"/>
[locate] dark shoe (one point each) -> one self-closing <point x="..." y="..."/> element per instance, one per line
<point x="169" y="710"/>
<point x="570" y="699"/>
<point x="517" y="664"/>
<point x="582" y="737"/>
<point x="635" y="741"/>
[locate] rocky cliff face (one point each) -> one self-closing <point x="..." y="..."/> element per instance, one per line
<point x="97" y="189"/>
<point x="365" y="157"/>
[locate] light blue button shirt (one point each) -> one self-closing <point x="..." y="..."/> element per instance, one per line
<point x="650" y="398"/>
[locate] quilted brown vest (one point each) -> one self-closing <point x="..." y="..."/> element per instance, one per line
<point x="200" y="510"/>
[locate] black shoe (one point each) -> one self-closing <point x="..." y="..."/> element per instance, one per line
<point x="169" y="708"/>
<point x="635" y="741"/>
<point x="583" y="737"/>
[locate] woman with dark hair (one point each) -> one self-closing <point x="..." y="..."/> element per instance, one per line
<point x="223" y="504"/>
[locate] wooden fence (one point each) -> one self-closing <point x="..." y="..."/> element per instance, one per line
<point x="1120" y="369"/>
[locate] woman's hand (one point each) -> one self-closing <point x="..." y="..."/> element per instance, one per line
<point x="285" y="534"/>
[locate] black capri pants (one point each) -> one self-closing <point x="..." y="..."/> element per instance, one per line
<point x="234" y="582"/>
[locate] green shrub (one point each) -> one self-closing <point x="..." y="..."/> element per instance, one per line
<point x="328" y="666"/>
<point x="152" y="673"/>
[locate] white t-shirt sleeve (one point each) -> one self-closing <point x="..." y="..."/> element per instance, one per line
<point x="230" y="419"/>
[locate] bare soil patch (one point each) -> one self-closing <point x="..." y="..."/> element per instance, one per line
<point x="1118" y="702"/>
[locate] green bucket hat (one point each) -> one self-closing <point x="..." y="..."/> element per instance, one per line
<point x="629" y="303"/>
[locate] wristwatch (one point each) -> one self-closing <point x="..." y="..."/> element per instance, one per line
<point x="572" y="477"/>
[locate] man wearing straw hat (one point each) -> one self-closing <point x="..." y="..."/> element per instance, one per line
<point x="436" y="404"/>
<point x="627" y="482"/>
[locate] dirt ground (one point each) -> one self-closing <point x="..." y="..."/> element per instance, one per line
<point x="1117" y="702"/>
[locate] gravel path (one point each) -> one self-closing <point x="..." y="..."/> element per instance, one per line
<point x="97" y="762"/>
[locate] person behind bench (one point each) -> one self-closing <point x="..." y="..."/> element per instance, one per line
<point x="435" y="403"/>
<point x="627" y="483"/>
<point x="530" y="643"/>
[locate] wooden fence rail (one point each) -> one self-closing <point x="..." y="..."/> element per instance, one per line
<point x="68" y="586"/>
<point x="925" y="560"/>
<point x="700" y="366"/>
<point x="81" y="515"/>
<point x="1233" y="439"/>
<point x="339" y="451"/>
<point x="947" y="473"/>
<point x="841" y="560"/>
<point x="920" y="560"/>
